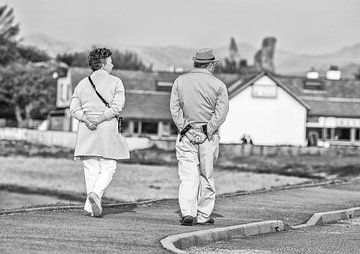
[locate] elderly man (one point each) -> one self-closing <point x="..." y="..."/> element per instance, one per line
<point x="199" y="105"/>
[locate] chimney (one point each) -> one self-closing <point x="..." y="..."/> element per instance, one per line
<point x="333" y="73"/>
<point x="312" y="74"/>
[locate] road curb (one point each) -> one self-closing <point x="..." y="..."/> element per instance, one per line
<point x="68" y="207"/>
<point x="286" y="187"/>
<point x="330" y="217"/>
<point x="151" y="201"/>
<point x="176" y="243"/>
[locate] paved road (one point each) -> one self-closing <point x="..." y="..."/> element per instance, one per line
<point x="10" y="200"/>
<point x="138" y="229"/>
<point x="339" y="238"/>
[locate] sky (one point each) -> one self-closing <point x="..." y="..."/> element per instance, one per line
<point x="300" y="26"/>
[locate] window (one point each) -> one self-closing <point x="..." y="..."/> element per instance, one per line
<point x="126" y="126"/>
<point x="136" y="127"/>
<point x="328" y="133"/>
<point x="173" y="129"/>
<point x="315" y="85"/>
<point x="342" y="134"/>
<point x="163" y="86"/>
<point x="357" y="134"/>
<point x="149" y="128"/>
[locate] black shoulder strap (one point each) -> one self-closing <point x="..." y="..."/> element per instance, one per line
<point x="102" y="99"/>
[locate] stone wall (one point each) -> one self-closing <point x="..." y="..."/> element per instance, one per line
<point x="68" y="139"/>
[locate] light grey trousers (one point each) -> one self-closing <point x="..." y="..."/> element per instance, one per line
<point x="196" y="172"/>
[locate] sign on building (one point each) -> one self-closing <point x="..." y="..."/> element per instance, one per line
<point x="264" y="91"/>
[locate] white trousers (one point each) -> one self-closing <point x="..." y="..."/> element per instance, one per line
<point x="98" y="174"/>
<point x="196" y="172"/>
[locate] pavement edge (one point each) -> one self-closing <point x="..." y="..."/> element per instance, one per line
<point x="68" y="207"/>
<point x="330" y="217"/>
<point x="147" y="202"/>
<point x="176" y="243"/>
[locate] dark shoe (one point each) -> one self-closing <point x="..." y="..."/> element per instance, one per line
<point x="95" y="204"/>
<point x="187" y="220"/>
<point x="209" y="221"/>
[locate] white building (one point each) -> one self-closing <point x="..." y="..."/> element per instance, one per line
<point x="271" y="109"/>
<point x="267" y="111"/>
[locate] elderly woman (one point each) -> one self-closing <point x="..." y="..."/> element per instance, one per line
<point x="99" y="144"/>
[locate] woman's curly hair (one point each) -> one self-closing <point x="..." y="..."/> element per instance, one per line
<point x="97" y="58"/>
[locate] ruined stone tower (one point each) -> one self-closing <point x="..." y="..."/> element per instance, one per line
<point x="264" y="57"/>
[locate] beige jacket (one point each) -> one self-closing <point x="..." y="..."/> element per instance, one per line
<point x="199" y="98"/>
<point x="105" y="141"/>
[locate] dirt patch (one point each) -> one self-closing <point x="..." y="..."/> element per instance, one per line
<point x="316" y="166"/>
<point x="24" y="148"/>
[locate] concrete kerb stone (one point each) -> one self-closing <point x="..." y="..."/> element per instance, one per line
<point x="149" y="202"/>
<point x="287" y="187"/>
<point x="330" y="217"/>
<point x="177" y="243"/>
<point x="70" y="207"/>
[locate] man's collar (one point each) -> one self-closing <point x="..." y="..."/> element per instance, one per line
<point x="201" y="70"/>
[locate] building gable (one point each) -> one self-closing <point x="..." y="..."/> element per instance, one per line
<point x="264" y="85"/>
<point x="269" y="117"/>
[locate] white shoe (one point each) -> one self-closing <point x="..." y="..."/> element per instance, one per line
<point x="95" y="204"/>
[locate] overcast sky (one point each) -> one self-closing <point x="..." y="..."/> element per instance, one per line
<point x="301" y="26"/>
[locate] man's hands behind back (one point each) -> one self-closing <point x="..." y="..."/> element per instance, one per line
<point x="195" y="136"/>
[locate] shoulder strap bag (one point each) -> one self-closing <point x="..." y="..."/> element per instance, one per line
<point x="119" y="119"/>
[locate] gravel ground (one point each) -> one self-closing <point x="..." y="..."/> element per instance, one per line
<point x="131" y="182"/>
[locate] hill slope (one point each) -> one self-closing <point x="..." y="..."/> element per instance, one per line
<point x="348" y="58"/>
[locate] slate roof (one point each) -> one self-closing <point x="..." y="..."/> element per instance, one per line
<point x="339" y="98"/>
<point x="132" y="80"/>
<point x="142" y="99"/>
<point x="147" y="105"/>
<point x="334" y="108"/>
<point x="347" y="88"/>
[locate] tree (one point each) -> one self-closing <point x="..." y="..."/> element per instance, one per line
<point x="28" y="89"/>
<point x="32" y="54"/>
<point x="231" y="64"/>
<point x="8" y="32"/>
<point x="127" y="61"/>
<point x="233" y="49"/>
<point x="357" y="75"/>
<point x="78" y="59"/>
<point x="124" y="61"/>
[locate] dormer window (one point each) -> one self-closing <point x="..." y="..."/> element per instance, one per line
<point x="333" y="73"/>
<point x="312" y="74"/>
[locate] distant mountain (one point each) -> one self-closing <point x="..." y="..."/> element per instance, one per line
<point x="51" y="45"/>
<point x="292" y="63"/>
<point x="348" y="58"/>
<point x="163" y="57"/>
